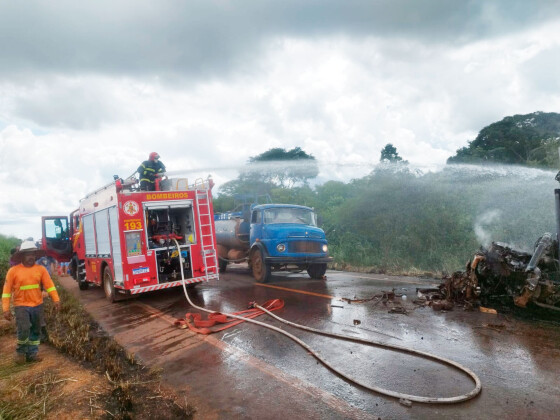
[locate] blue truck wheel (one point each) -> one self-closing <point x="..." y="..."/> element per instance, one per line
<point x="317" y="271"/>
<point x="261" y="270"/>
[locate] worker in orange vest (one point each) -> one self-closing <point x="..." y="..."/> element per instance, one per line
<point x="23" y="284"/>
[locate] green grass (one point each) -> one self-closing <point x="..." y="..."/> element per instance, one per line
<point x="6" y="244"/>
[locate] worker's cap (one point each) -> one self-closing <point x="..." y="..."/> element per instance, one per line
<point x="27" y="247"/>
<point x="154" y="156"/>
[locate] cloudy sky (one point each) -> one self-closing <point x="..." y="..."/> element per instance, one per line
<point x="89" y="89"/>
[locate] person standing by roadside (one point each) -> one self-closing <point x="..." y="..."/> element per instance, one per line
<point x="12" y="252"/>
<point x="148" y="171"/>
<point x="23" y="284"/>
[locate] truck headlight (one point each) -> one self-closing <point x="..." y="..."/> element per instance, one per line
<point x="325" y="248"/>
<point x="280" y="247"/>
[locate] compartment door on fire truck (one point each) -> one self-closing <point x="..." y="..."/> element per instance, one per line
<point x="56" y="239"/>
<point x="116" y="244"/>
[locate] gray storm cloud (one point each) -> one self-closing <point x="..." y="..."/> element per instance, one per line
<point x="204" y="38"/>
<point x="88" y="89"/>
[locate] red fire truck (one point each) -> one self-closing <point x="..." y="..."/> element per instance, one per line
<point x="123" y="239"/>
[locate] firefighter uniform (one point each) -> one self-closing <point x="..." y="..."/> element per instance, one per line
<point x="23" y="284"/>
<point x="148" y="171"/>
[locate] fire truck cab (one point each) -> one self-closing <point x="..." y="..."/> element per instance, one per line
<point x="125" y="240"/>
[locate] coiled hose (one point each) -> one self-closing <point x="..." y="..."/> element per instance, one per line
<point x="401" y="396"/>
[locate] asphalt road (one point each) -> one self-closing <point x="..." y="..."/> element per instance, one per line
<point x="251" y="372"/>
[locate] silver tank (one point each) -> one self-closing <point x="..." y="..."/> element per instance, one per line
<point x="232" y="233"/>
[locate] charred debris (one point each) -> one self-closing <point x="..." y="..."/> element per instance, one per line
<point x="500" y="276"/>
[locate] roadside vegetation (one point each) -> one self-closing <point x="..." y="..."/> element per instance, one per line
<point x="6" y="244"/>
<point x="396" y="220"/>
<point x="124" y="389"/>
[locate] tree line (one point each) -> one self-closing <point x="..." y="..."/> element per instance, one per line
<point x="530" y="139"/>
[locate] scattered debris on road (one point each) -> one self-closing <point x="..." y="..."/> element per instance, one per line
<point x="488" y="310"/>
<point x="398" y="310"/>
<point x="405" y="402"/>
<point x="495" y="327"/>
<point x="442" y="305"/>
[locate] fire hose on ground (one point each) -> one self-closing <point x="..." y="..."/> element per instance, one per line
<point x="401" y="396"/>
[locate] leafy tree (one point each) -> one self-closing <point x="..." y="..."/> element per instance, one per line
<point x="284" y="175"/>
<point x="389" y="154"/>
<point x="531" y="139"/>
<point x="283" y="168"/>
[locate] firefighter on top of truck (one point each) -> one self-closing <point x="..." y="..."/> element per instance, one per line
<point x="148" y="171"/>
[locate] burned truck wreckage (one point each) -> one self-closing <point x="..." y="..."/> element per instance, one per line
<point x="500" y="275"/>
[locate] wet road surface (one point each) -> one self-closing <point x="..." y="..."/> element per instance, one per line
<point x="248" y="371"/>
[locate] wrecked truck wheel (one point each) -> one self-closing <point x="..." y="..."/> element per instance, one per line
<point x="317" y="271"/>
<point x="109" y="287"/>
<point x="261" y="270"/>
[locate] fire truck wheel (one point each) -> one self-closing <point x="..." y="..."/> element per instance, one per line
<point x="108" y="286"/>
<point x="317" y="271"/>
<point x="261" y="270"/>
<point x="74" y="268"/>
<point x="78" y="275"/>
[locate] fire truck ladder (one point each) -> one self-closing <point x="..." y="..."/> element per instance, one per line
<point x="206" y="231"/>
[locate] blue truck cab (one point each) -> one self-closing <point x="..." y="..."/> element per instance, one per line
<point x="272" y="237"/>
<point x="286" y="236"/>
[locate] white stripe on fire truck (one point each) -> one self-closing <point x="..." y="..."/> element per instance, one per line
<point x="166" y="285"/>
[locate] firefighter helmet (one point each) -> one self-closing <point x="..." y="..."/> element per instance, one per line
<point x="154" y="156"/>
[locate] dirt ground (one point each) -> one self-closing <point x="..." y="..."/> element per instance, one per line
<point x="60" y="388"/>
<point x="73" y="391"/>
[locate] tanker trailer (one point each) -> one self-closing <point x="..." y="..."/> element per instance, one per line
<point x="232" y="237"/>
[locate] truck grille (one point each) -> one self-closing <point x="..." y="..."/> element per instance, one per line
<point x="305" y="246"/>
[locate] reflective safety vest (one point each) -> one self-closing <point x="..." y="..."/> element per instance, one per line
<point x="148" y="170"/>
<point x="24" y="285"/>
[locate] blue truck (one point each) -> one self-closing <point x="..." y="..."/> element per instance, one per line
<point x="272" y="237"/>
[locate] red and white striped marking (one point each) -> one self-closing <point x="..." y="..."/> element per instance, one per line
<point x="170" y="284"/>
